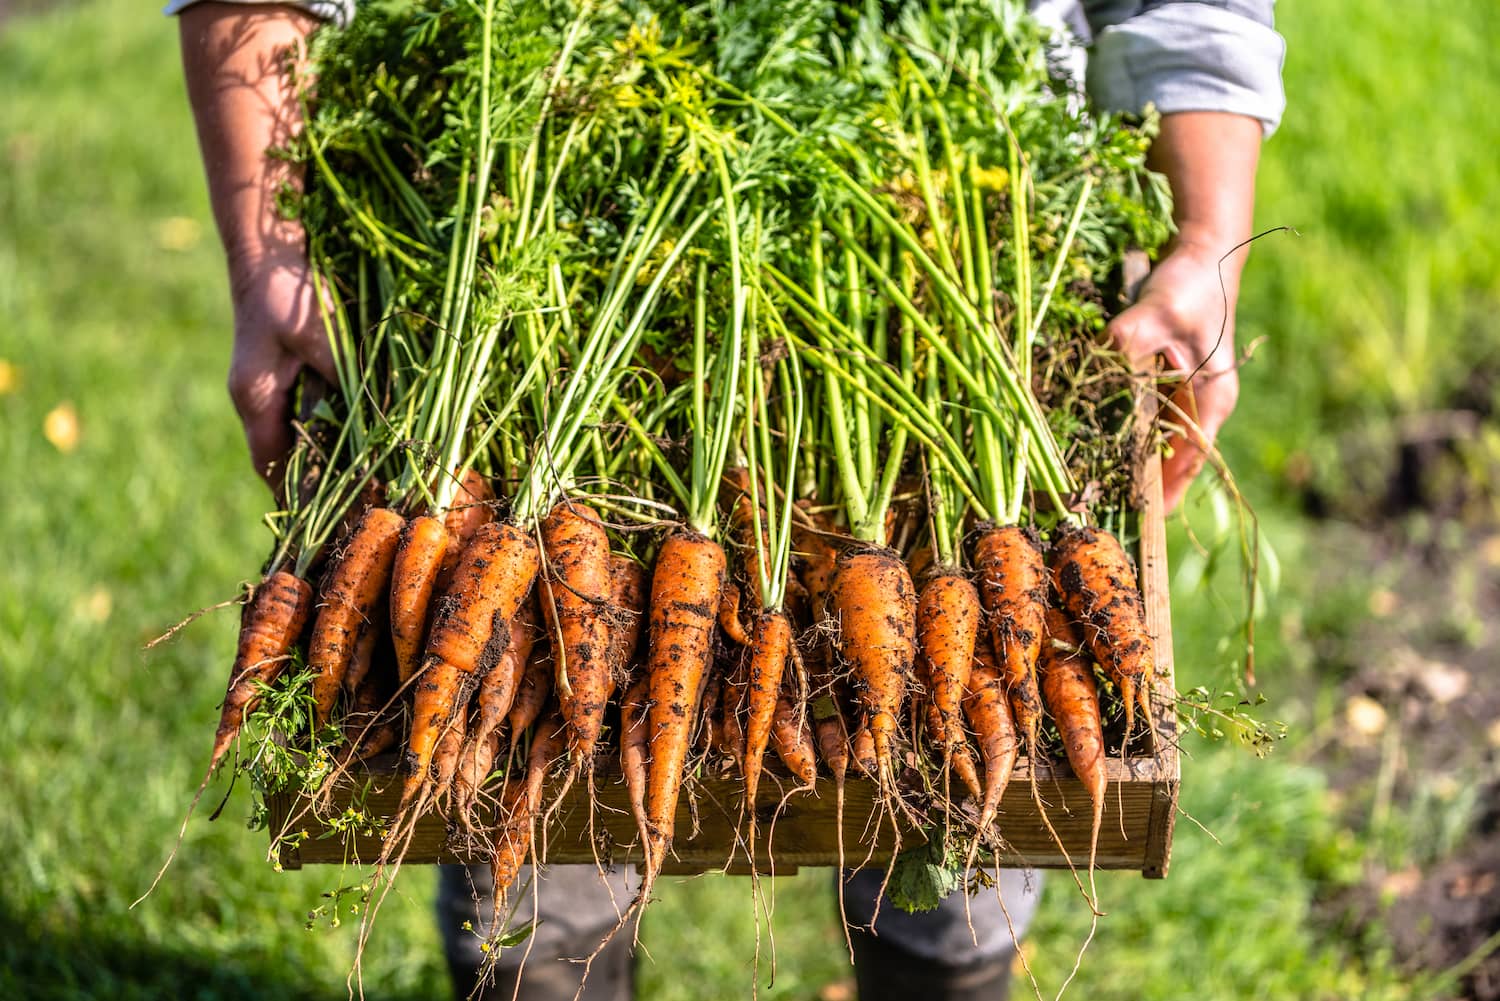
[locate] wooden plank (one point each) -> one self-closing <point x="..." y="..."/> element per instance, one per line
<point x="797" y="827"/>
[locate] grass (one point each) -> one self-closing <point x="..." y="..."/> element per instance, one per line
<point x="114" y="300"/>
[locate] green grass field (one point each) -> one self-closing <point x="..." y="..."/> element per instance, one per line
<point x="113" y="303"/>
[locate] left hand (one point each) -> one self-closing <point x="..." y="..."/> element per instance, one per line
<point x="1186" y="314"/>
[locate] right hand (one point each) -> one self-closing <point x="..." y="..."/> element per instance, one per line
<point x="278" y="329"/>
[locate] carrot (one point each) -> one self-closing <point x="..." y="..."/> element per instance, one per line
<point x="474" y="764"/>
<point x="729" y="616"/>
<point x="372" y="724"/>
<point x="960" y="758"/>
<point x="988" y="710"/>
<point x="450" y="747"/>
<point x="575" y="592"/>
<point x="363" y="660"/>
<point x="470" y="507"/>
<point x="532" y="691"/>
<point x="356" y="583"/>
<point x="271" y="623"/>
<point x="1099" y="589"/>
<point x="862" y="750"/>
<point x="875" y="603"/>
<point x="491" y="581"/>
<point x="633" y="752"/>
<point x="498" y="689"/>
<point x="1013" y="587"/>
<point x="711" y="723"/>
<point x="520" y="802"/>
<point x="770" y="648"/>
<point x="685" y="590"/>
<point x="419" y="559"/>
<point x="818" y="559"/>
<point x="629" y="591"/>
<point x="791" y="733"/>
<point x="731" y="740"/>
<point x="1073" y="700"/>
<point x="948" y="614"/>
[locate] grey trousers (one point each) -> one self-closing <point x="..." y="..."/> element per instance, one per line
<point x="578" y="907"/>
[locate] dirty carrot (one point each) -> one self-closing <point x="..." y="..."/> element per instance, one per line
<point x="988" y="711"/>
<point x="685" y="590"/>
<point x="1013" y="586"/>
<point x="419" y="559"/>
<point x="1073" y="700"/>
<point x="359" y="579"/>
<point x="492" y="579"/>
<point x="875" y="604"/>
<point x="771" y="647"/>
<point x="948" y="614"/>
<point x="575" y="593"/>
<point x="272" y="622"/>
<point x="1099" y="589"/>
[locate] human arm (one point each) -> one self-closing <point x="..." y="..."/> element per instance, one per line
<point x="239" y="83"/>
<point x="1214" y="71"/>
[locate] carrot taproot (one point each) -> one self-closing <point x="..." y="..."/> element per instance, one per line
<point x="730" y="601"/>
<point x="271" y="623"/>
<point x="449" y="749"/>
<point x="357" y="581"/>
<point x="948" y="614"/>
<point x="817" y="559"/>
<point x="711" y="716"/>
<point x="470" y="507"/>
<point x="862" y="750"/>
<point x="419" y="560"/>
<point x="771" y="647"/>
<point x="987" y="706"/>
<point x="370" y="639"/>
<point x="792" y="736"/>
<point x="492" y="579"/>
<point x="521" y="800"/>
<point x="630" y="588"/>
<point x="633" y="750"/>
<point x="875" y="603"/>
<point x="1013" y="587"/>
<point x="1099" y="589"/>
<point x="533" y="690"/>
<point x="474" y="764"/>
<point x="575" y="595"/>
<point x="373" y="722"/>
<point x="731" y="738"/>
<point x="685" y="588"/>
<point x="1072" y="698"/>
<point x="498" y="689"/>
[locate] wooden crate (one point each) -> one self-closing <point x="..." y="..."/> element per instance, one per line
<point x="800" y="830"/>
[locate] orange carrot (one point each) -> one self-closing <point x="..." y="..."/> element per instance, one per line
<point x="711" y="716"/>
<point x="575" y="593"/>
<point x="862" y="750"/>
<point x="630" y="588"/>
<point x="875" y="603"/>
<point x="731" y="740"/>
<point x="1073" y="700"/>
<point x="450" y="747"/>
<point x="498" y="689"/>
<point x="370" y="639"/>
<point x="729" y="616"/>
<point x="770" y="649"/>
<point x="633" y="751"/>
<point x="470" y="507"/>
<point x="474" y="764"/>
<point x="359" y="579"/>
<point x="533" y="690"/>
<point x="818" y="560"/>
<point x="520" y="802"/>
<point x="419" y="559"/>
<point x="1098" y="587"/>
<point x="491" y="581"/>
<point x="271" y="623"/>
<point x="1013" y="586"/>
<point x="685" y="590"/>
<point x="948" y="614"/>
<point x="988" y="711"/>
<point x="791" y="733"/>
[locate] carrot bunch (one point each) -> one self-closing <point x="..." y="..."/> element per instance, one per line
<point x="710" y="415"/>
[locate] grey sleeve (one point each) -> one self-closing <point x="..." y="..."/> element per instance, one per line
<point x="1187" y="55"/>
<point x="340" y="12"/>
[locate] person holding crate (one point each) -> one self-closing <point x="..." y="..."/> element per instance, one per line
<point x="1212" y="68"/>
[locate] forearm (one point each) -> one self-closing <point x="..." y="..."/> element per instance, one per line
<point x="1210" y="158"/>
<point x="238" y="64"/>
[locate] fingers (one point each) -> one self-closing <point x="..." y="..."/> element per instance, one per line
<point x="261" y="389"/>
<point x="309" y="339"/>
<point x="1201" y="407"/>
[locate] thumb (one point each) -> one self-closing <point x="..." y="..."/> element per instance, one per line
<point x="308" y="340"/>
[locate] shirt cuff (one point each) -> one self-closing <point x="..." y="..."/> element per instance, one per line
<point x="1190" y="57"/>
<point x="340" y="12"/>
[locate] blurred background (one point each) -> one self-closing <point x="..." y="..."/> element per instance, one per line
<point x="1358" y="860"/>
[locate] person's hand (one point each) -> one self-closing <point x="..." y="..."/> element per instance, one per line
<point x="1185" y="314"/>
<point x="278" y="330"/>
